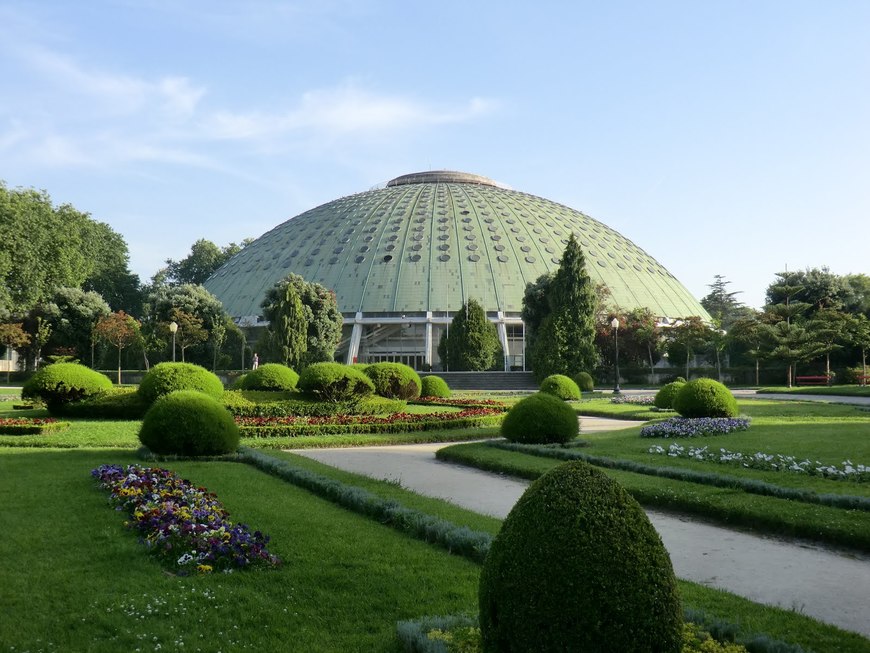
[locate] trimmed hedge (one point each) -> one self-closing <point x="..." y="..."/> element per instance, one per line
<point x="189" y="423"/>
<point x="561" y="386"/>
<point x="540" y="418"/>
<point x="749" y="485"/>
<point x="240" y="405"/>
<point x="164" y="378"/>
<point x="117" y="404"/>
<point x="434" y="386"/>
<point x="577" y="566"/>
<point x="63" y="383"/>
<point x="268" y="428"/>
<point x="584" y="381"/>
<point x="705" y="398"/>
<point x="394" y="380"/>
<point x="30" y="426"/>
<point x="335" y="382"/>
<point x="664" y="398"/>
<point x="269" y="376"/>
<point x="459" y="540"/>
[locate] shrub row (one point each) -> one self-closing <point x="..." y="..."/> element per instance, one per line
<point x="241" y="406"/>
<point x="414" y="635"/>
<point x="459" y="540"/>
<point x="117" y="403"/>
<point x="268" y="428"/>
<point x="752" y="486"/>
<point x="28" y="426"/>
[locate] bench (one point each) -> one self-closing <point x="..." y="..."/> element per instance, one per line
<point x="811" y="380"/>
<point x="862" y="380"/>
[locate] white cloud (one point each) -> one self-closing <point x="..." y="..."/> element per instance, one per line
<point x="70" y="114"/>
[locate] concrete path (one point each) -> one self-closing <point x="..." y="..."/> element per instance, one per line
<point x="824" y="584"/>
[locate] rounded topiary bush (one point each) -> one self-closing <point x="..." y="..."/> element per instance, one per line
<point x="540" y="418"/>
<point x="584" y="381"/>
<point x="164" y="378"/>
<point x="394" y="380"/>
<point x="334" y="382"/>
<point x="189" y="423"/>
<point x="705" y="398"/>
<point x="664" y="398"/>
<point x="434" y="386"/>
<point x="560" y="386"/>
<point x="577" y="566"/>
<point x="269" y="376"/>
<point x="63" y="383"/>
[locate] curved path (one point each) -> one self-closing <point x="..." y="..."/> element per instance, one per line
<point x="827" y="585"/>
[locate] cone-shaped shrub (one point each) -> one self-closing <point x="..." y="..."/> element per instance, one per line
<point x="434" y="386"/>
<point x="577" y="566"/>
<point x="561" y="386"/>
<point x="63" y="383"/>
<point x="189" y="423"/>
<point x="164" y="378"/>
<point x="664" y="398"/>
<point x="705" y="398"/>
<point x="394" y="380"/>
<point x="540" y="418"/>
<point x="269" y="376"/>
<point x="334" y="382"/>
<point x="584" y="381"/>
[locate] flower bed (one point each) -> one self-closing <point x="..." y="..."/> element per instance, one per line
<point x="689" y="427"/>
<point x="30" y="425"/>
<point x="634" y="400"/>
<point x="462" y="403"/>
<point x="264" y="427"/>
<point x="184" y="525"/>
<point x="769" y="462"/>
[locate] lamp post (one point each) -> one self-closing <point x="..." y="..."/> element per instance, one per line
<point x="173" y="327"/>
<point x="614" y="323"/>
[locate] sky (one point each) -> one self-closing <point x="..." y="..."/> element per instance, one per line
<point x="725" y="137"/>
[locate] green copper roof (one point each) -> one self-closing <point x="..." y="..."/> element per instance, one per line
<point x="429" y="241"/>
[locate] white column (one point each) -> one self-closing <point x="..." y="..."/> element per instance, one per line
<point x="355" y="337"/>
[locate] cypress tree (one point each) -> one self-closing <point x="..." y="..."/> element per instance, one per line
<point x="565" y="340"/>
<point x="473" y="343"/>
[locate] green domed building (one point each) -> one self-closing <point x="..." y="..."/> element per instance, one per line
<point x="402" y="260"/>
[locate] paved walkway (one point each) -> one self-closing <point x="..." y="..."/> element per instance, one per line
<point x="828" y="585"/>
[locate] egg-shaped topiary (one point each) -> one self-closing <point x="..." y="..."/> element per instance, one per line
<point x="577" y="566"/>
<point x="164" y="378"/>
<point x="270" y="376"/>
<point x="540" y="418"/>
<point x="561" y="386"/>
<point x="705" y="398"/>
<point x="584" y="381"/>
<point x="434" y="386"/>
<point x="63" y="383"/>
<point x="334" y="382"/>
<point x="189" y="423"/>
<point x="394" y="380"/>
<point x="664" y="398"/>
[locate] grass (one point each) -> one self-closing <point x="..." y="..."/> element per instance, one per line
<point x="834" y="390"/>
<point x="336" y="591"/>
<point x="81" y="582"/>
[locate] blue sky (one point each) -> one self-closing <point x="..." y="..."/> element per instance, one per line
<point x="723" y="137"/>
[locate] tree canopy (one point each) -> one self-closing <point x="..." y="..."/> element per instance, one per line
<point x="204" y="259"/>
<point x="43" y="248"/>
<point x="472" y="344"/>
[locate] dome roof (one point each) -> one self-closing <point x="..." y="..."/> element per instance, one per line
<point x="431" y="240"/>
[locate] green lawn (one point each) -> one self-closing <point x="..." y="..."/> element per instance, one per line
<point x="834" y="390"/>
<point x="75" y="579"/>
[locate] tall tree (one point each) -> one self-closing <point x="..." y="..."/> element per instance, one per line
<point x="829" y="330"/>
<point x="473" y="344"/>
<point x="190" y="330"/>
<point x="288" y="328"/>
<point x="746" y="334"/>
<point x="720" y="303"/>
<point x="858" y="333"/>
<point x="12" y="336"/>
<point x="564" y="343"/>
<point x="72" y="314"/>
<point x="792" y="344"/>
<point x="204" y="259"/>
<point x="119" y="330"/>
<point x="686" y="339"/>
<point x="322" y="318"/>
